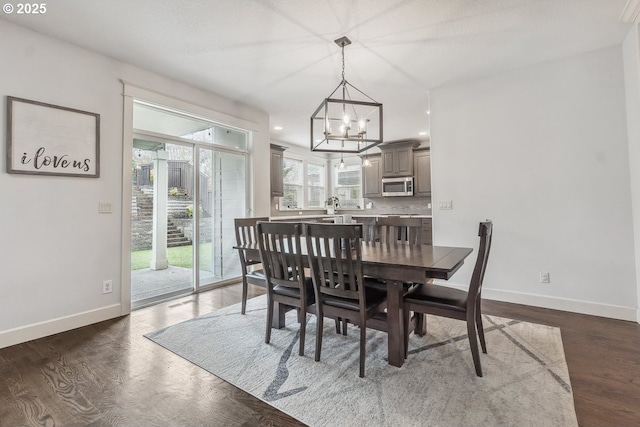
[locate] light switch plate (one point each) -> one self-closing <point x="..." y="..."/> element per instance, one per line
<point x="445" y="205"/>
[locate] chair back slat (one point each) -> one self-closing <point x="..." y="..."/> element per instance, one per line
<point x="397" y="229"/>
<point x="368" y="229"/>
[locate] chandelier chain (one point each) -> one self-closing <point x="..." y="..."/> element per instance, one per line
<point x="343" y="63"/>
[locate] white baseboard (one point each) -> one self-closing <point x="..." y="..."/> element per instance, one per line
<point x="544" y="301"/>
<point x="62" y="324"/>
<point x="575" y="306"/>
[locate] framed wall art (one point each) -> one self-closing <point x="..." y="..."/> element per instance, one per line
<point x="47" y="139"/>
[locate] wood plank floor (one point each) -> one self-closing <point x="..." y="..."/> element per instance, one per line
<point x="109" y="374"/>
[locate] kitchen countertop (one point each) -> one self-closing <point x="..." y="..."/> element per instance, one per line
<point x="294" y="217"/>
<point x="387" y="215"/>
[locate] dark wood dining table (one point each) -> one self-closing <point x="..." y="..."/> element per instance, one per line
<point x="397" y="264"/>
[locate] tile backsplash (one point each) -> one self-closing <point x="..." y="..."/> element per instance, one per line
<point x="398" y="205"/>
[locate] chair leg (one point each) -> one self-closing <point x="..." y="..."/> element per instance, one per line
<point x="363" y="344"/>
<point x="480" y="328"/>
<point x="303" y="329"/>
<point x="473" y="342"/>
<point x="267" y="338"/>
<point x="318" y="334"/>
<point x="406" y="316"/>
<point x="244" y="295"/>
<point x="424" y="325"/>
<point x="421" y="324"/>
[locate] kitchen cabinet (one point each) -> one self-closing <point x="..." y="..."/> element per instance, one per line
<point x="277" y="160"/>
<point x="372" y="178"/>
<point x="422" y="172"/>
<point x="397" y="158"/>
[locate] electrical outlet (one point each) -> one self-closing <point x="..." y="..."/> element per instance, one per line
<point x="104" y="207"/>
<point x="544" y="277"/>
<point x="107" y="286"/>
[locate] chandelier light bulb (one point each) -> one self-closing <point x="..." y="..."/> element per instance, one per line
<point x="362" y="126"/>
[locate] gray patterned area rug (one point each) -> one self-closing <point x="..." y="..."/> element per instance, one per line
<point x="525" y="383"/>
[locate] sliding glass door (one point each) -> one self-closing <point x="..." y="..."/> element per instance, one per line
<point x="189" y="183"/>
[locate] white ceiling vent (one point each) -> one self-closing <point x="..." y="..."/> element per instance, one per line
<point x="631" y="12"/>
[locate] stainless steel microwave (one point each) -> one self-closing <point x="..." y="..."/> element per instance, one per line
<point x="397" y="186"/>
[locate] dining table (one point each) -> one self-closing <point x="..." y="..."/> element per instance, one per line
<point x="395" y="264"/>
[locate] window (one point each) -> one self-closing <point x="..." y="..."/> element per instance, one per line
<point x="348" y="187"/>
<point x="292" y="179"/>
<point x="315" y="185"/>
<point x="304" y="184"/>
<point x="171" y="122"/>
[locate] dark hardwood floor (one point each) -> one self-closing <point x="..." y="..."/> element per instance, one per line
<point x="603" y="356"/>
<point x="109" y="374"/>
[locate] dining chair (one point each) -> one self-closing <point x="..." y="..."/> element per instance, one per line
<point x="455" y="303"/>
<point x="394" y="229"/>
<point x="281" y="255"/>
<point x="246" y="234"/>
<point x="335" y="261"/>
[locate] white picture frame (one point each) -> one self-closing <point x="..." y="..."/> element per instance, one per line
<point x="46" y="139"/>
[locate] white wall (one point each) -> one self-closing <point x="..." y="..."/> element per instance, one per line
<point x="631" y="53"/>
<point x="56" y="248"/>
<point x="542" y="151"/>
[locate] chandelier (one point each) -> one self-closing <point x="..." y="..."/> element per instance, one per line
<point x="349" y="124"/>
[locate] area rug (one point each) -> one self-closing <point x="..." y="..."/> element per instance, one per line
<point x="525" y="382"/>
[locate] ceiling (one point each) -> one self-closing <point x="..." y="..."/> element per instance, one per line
<point x="280" y="55"/>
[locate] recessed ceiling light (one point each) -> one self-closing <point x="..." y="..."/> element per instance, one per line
<point x="422" y="133"/>
<point x="277" y="128"/>
<point x="428" y="111"/>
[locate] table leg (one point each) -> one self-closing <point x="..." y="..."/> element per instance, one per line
<point x="279" y="311"/>
<point x="395" y="323"/>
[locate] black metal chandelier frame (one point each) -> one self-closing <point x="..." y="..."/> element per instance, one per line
<point x="367" y="119"/>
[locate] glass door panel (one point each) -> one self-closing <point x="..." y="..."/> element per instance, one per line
<point x="222" y="186"/>
<point x="162" y="222"/>
<point x="207" y="274"/>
